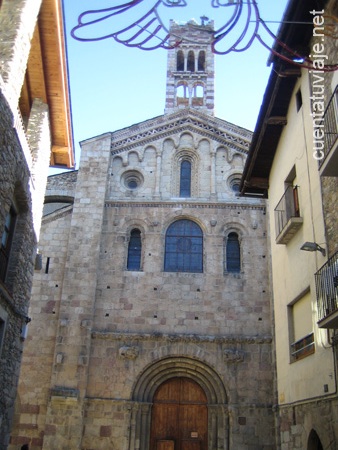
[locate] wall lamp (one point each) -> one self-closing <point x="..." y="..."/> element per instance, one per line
<point x="313" y="247"/>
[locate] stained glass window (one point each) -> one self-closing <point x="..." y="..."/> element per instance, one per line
<point x="185" y="179"/>
<point x="184" y="247"/>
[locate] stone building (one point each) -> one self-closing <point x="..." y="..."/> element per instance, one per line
<point x="293" y="160"/>
<point x="35" y="130"/>
<point x="151" y="315"/>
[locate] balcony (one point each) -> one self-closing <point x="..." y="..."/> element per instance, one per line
<point x="287" y="216"/>
<point x="327" y="293"/>
<point x="328" y="164"/>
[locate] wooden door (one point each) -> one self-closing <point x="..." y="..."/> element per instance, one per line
<point x="180" y="416"/>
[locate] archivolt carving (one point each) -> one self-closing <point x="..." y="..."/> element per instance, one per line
<point x="230" y="154"/>
<point x="164" y="369"/>
<point x="189" y="154"/>
<point x="169" y="125"/>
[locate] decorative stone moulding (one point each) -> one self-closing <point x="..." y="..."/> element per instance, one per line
<point x="132" y="179"/>
<point x="188" y="338"/>
<point x="128" y="352"/>
<point x="233" y="356"/>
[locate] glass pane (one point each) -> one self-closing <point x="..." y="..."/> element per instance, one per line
<point x="134" y="251"/>
<point x="184" y="247"/>
<point x="233" y="253"/>
<point x="185" y="179"/>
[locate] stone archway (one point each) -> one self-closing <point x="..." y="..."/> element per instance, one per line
<point x="159" y="372"/>
<point x="313" y="442"/>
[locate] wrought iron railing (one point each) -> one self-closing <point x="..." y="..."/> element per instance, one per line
<point x="287" y="207"/>
<point x="327" y="287"/>
<point x="330" y="126"/>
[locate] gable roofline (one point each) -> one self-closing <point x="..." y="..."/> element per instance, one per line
<point x="187" y="119"/>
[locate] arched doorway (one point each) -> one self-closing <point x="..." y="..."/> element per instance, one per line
<point x="149" y="384"/>
<point x="313" y="442"/>
<point x="179" y="416"/>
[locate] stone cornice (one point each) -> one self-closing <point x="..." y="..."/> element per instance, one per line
<point x="187" y="338"/>
<point x="186" y="120"/>
<point x="128" y="204"/>
<point x="58" y="214"/>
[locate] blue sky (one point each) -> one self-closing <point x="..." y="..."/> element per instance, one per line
<point x="114" y="86"/>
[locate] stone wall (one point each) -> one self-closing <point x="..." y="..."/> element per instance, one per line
<point x="24" y="161"/>
<point x="298" y="421"/>
<point x="107" y="336"/>
<point x="15" y="290"/>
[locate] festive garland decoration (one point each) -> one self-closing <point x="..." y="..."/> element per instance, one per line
<point x="149" y="32"/>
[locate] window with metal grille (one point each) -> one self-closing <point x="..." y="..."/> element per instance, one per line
<point x="6" y="242"/>
<point x="134" y="250"/>
<point x="185" y="179"/>
<point x="184" y="247"/>
<point x="233" y="253"/>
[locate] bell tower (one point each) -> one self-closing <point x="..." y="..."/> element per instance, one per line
<point x="190" y="71"/>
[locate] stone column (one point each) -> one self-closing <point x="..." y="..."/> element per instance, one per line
<point x="158" y="173"/>
<point x="213" y="173"/>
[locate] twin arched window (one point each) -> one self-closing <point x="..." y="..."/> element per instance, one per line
<point x="184" y="247"/>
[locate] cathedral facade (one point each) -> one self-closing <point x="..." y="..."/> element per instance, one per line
<point x="151" y="316"/>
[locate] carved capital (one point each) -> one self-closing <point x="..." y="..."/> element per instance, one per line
<point x="128" y="352"/>
<point x="233" y="356"/>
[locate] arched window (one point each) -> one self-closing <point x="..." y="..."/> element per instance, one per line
<point x="233" y="253"/>
<point x="182" y="91"/>
<point x="191" y="61"/>
<point x="182" y="95"/>
<point x="185" y="179"/>
<point x="184" y="247"/>
<point x="201" y="61"/>
<point x="180" y="61"/>
<point x="197" y="95"/>
<point x="134" y="250"/>
<point x="198" y="91"/>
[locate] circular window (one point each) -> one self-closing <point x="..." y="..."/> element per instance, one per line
<point x="132" y="179"/>
<point x="234" y="183"/>
<point x="235" y="186"/>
